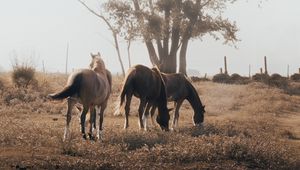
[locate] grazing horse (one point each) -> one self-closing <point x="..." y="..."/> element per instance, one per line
<point x="178" y="89"/>
<point x="91" y="88"/>
<point x="148" y="85"/>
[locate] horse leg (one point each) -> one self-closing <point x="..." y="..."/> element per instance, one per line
<point x="100" y="129"/>
<point x="92" y="122"/>
<point x="127" y="109"/>
<point x="71" y="103"/>
<point x="176" y="114"/>
<point x="152" y="111"/>
<point x="82" y="120"/>
<point x="146" y="114"/>
<point x="141" y="112"/>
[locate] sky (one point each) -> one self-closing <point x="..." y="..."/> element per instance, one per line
<point x="39" y="31"/>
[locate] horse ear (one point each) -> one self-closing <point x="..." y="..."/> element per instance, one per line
<point x="92" y="55"/>
<point x="99" y="54"/>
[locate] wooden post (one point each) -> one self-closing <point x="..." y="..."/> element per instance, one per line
<point x="67" y="56"/>
<point x="221" y="71"/>
<point x="266" y="69"/>
<point x="225" y="65"/>
<point x="249" y="71"/>
<point x="261" y="71"/>
<point x="205" y="75"/>
<point x="288" y="71"/>
<point x="43" y="66"/>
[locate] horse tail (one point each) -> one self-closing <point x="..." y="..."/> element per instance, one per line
<point x="120" y="103"/>
<point x="109" y="78"/>
<point x="71" y="89"/>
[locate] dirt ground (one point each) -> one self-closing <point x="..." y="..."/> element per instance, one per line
<point x="246" y="127"/>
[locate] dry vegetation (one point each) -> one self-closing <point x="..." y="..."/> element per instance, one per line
<point x="251" y="126"/>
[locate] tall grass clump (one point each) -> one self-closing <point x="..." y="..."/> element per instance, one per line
<point x="23" y="74"/>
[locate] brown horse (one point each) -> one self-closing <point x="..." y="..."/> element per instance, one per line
<point x="90" y="87"/>
<point x="148" y="85"/>
<point x="178" y="89"/>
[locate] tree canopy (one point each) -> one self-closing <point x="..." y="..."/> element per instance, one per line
<point x="167" y="26"/>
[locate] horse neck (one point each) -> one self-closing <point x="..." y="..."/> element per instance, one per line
<point x="100" y="71"/>
<point x="194" y="99"/>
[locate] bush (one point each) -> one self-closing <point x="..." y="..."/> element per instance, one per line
<point x="295" y="77"/>
<point x="264" y="78"/>
<point x="221" y="78"/>
<point x="195" y="78"/>
<point x="278" y="81"/>
<point x="237" y="79"/>
<point x="1" y="84"/>
<point x="23" y="75"/>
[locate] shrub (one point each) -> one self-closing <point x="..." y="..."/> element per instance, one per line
<point x="295" y="77"/>
<point x="278" y="81"/>
<point x="195" y="78"/>
<point x="221" y="78"/>
<point x="237" y="79"/>
<point x="23" y="75"/>
<point x="1" y="84"/>
<point x="261" y="78"/>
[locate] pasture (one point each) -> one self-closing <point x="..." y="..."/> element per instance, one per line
<point x="251" y="126"/>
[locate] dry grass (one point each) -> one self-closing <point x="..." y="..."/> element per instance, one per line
<point x="250" y="126"/>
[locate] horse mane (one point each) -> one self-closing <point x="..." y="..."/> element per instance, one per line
<point x="162" y="101"/>
<point x="193" y="96"/>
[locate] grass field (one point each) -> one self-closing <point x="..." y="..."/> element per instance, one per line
<point x="246" y="127"/>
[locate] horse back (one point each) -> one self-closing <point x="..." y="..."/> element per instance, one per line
<point x="176" y="85"/>
<point x="146" y="82"/>
<point x="94" y="89"/>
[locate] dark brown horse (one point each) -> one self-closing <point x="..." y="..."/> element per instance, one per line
<point x="178" y="89"/>
<point x="90" y="87"/>
<point x="148" y="85"/>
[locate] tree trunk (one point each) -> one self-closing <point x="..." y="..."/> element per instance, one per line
<point x="118" y="51"/>
<point x="182" y="56"/>
<point x="169" y="63"/>
<point x="128" y="53"/>
<point x="152" y="54"/>
<point x="151" y="50"/>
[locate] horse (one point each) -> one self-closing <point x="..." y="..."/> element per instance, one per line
<point x="147" y="85"/>
<point x="178" y="89"/>
<point x="91" y="88"/>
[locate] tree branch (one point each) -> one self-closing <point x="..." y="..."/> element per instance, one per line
<point x="97" y="14"/>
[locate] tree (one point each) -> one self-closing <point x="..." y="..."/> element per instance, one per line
<point x="167" y="26"/>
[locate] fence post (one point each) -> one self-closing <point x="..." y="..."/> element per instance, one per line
<point x="249" y="70"/>
<point x="221" y="71"/>
<point x="288" y="71"/>
<point x="266" y="69"/>
<point x="225" y="65"/>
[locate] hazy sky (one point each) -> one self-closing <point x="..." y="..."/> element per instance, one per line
<point x="42" y="28"/>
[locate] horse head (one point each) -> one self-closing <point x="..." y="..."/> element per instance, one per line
<point x="163" y="120"/>
<point x="199" y="116"/>
<point x="97" y="64"/>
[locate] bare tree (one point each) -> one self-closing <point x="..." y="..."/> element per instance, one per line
<point x="114" y="31"/>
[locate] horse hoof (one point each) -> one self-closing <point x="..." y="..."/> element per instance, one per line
<point x="84" y="136"/>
